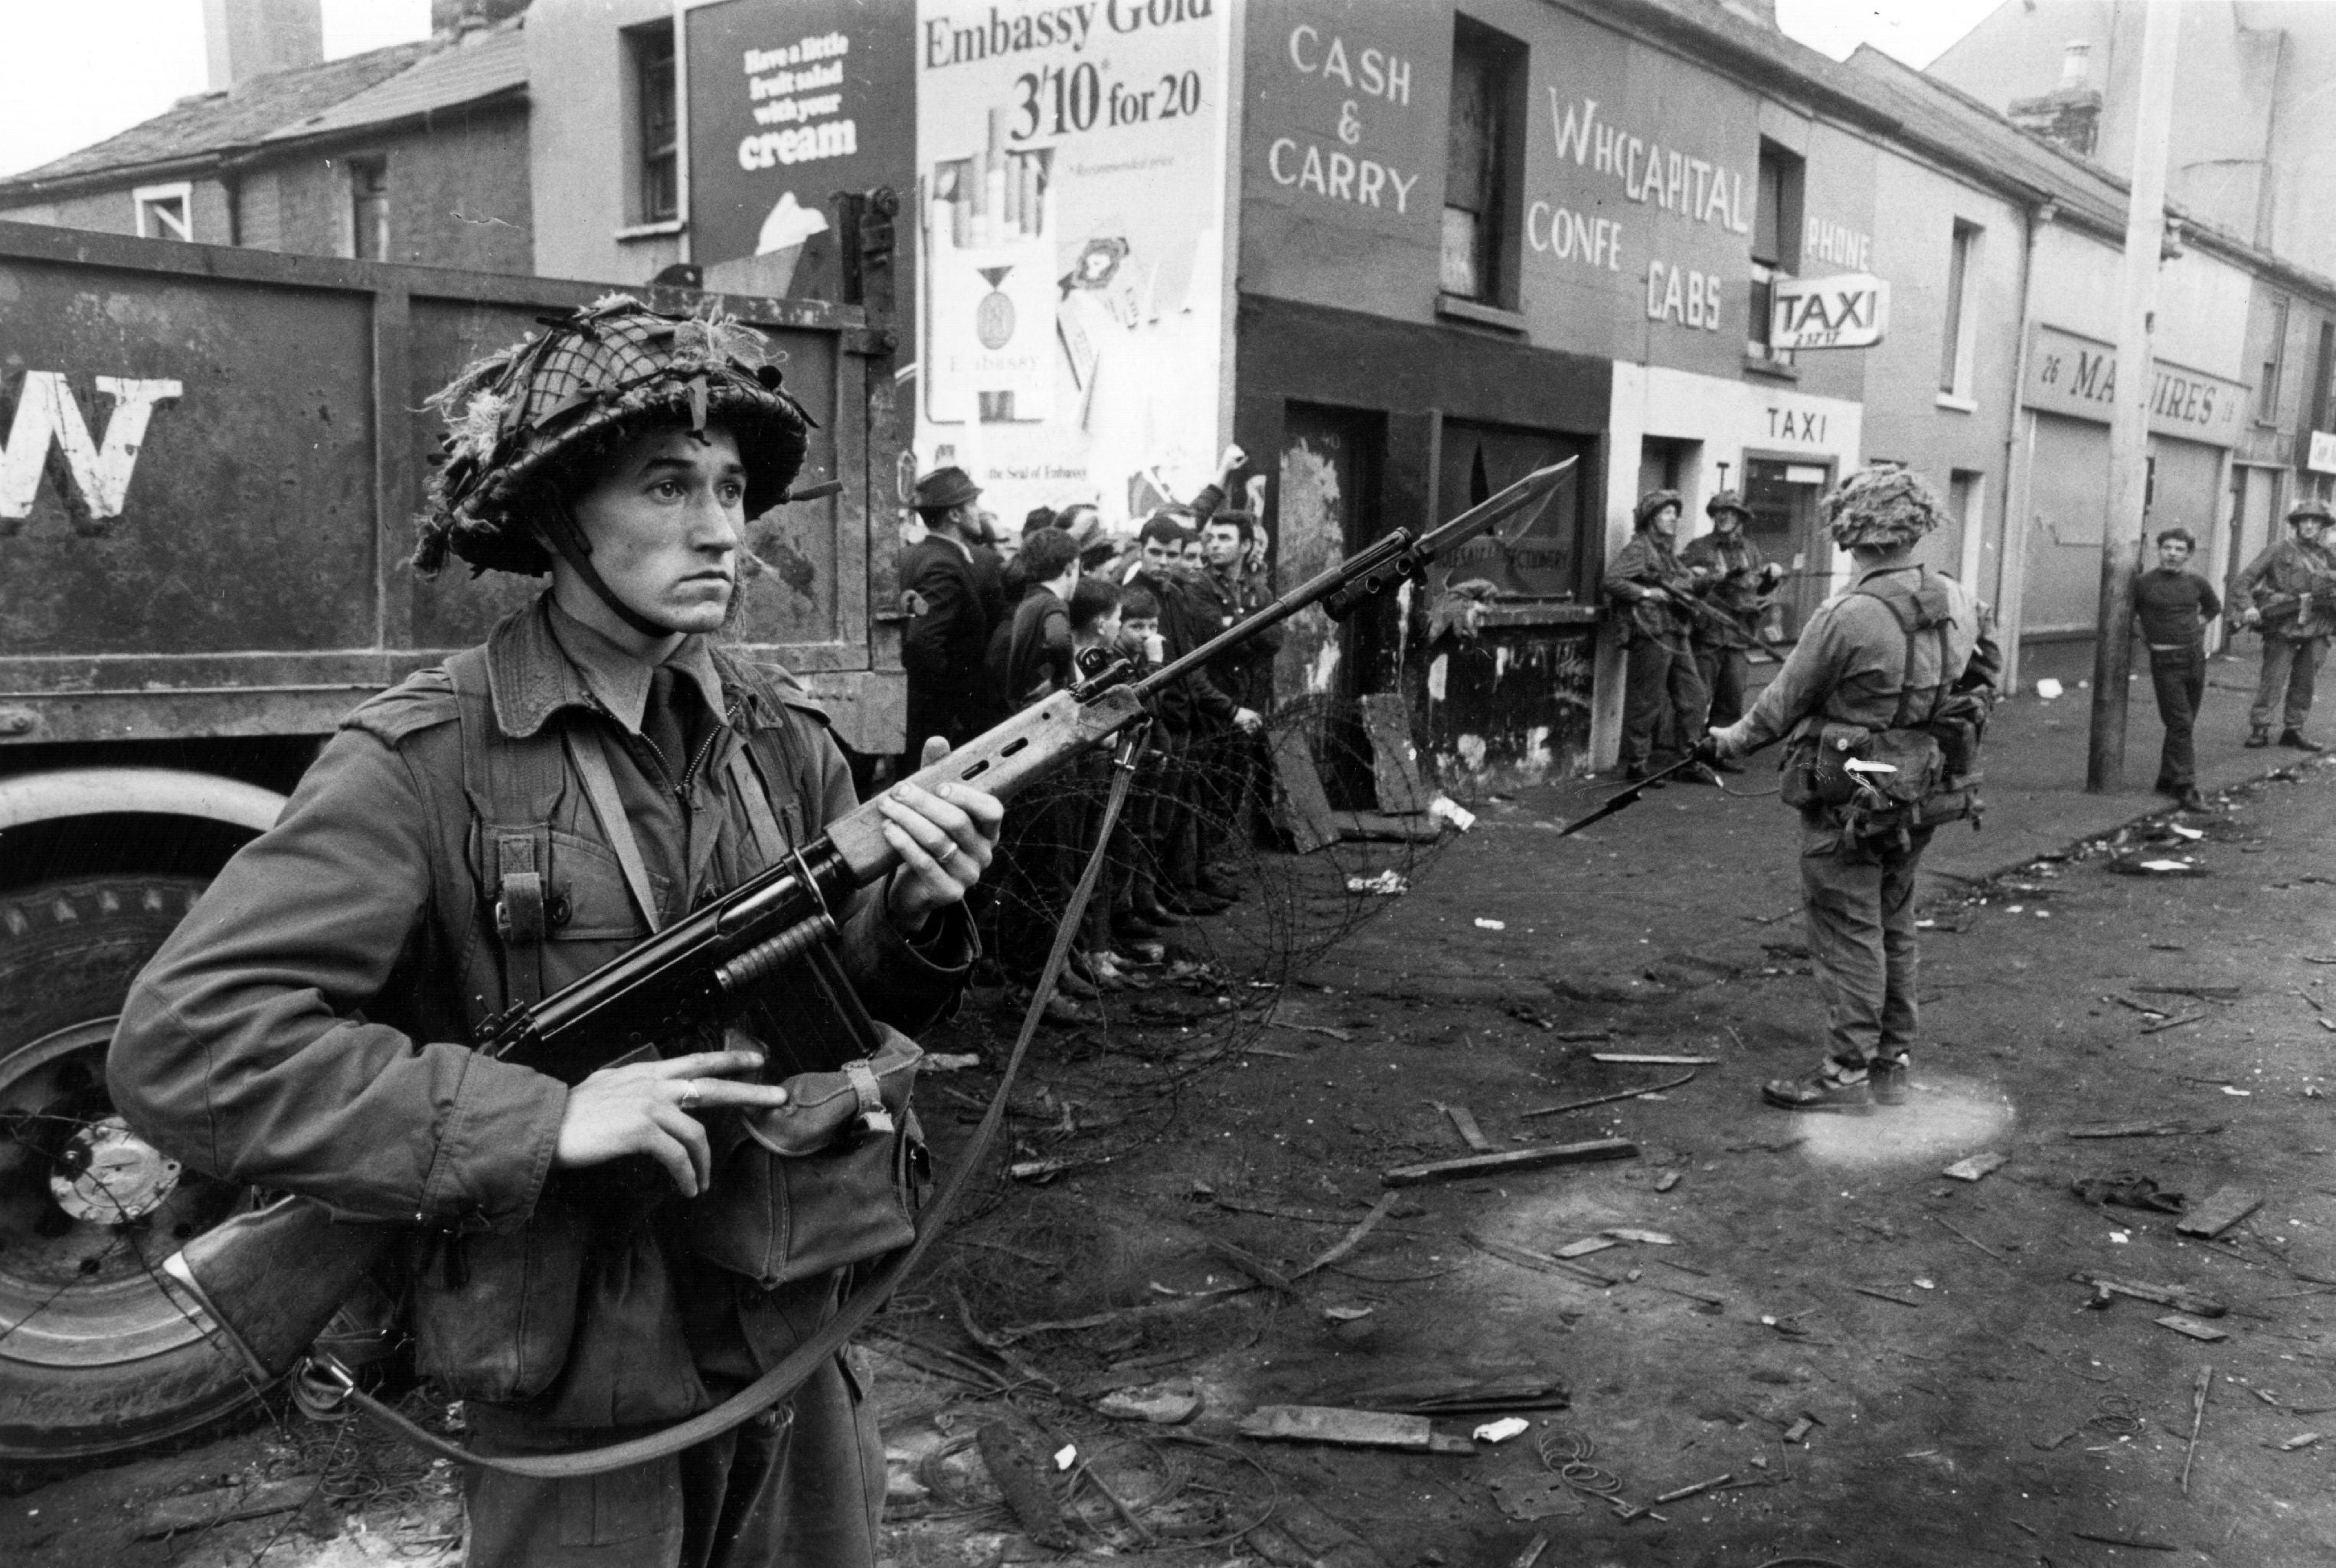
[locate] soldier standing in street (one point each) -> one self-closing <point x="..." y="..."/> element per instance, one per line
<point x="954" y="601"/>
<point x="2292" y="590"/>
<point x="1900" y="669"/>
<point x="586" y="1263"/>
<point x="1738" y="582"/>
<point x="2174" y="607"/>
<point x="1651" y="587"/>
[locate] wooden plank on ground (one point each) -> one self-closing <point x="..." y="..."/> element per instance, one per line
<point x="1395" y="765"/>
<point x="1502" y="1165"/>
<point x="1302" y="806"/>
<point x="2224" y="1207"/>
<point x="1412" y="829"/>
<point x="1349" y="1429"/>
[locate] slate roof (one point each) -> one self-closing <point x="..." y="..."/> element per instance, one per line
<point x="218" y="123"/>
<point x="378" y="87"/>
<point x="463" y="73"/>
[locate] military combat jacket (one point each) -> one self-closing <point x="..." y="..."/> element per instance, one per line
<point x="308" y="1028"/>
<point x="2292" y="583"/>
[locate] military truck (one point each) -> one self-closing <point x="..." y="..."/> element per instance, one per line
<point x="213" y="463"/>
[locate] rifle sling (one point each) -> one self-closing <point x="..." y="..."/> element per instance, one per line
<point x="783" y="1380"/>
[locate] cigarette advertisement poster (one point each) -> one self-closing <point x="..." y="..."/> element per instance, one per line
<point x="791" y="101"/>
<point x="1071" y="182"/>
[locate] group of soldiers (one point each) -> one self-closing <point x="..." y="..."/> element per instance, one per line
<point x="1690" y="620"/>
<point x="989" y="635"/>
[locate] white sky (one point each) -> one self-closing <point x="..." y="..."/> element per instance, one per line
<point x="75" y="72"/>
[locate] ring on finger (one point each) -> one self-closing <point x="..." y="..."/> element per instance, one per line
<point x="688" y="1094"/>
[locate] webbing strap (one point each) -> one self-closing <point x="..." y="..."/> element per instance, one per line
<point x="591" y="761"/>
<point x="784" y="1378"/>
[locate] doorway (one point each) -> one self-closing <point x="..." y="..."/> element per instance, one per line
<point x="1782" y="496"/>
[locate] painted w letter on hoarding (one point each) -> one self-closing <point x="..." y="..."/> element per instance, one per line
<point x="95" y="480"/>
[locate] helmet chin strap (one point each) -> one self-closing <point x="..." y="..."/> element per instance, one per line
<point x="567" y="541"/>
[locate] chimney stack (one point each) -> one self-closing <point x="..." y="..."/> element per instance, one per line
<point x="248" y="38"/>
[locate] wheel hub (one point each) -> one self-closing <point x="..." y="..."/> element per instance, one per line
<point x="109" y="1175"/>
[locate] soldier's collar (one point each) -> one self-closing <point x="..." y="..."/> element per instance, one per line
<point x="546" y="660"/>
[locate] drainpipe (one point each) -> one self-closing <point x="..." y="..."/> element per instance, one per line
<point x="685" y="243"/>
<point x="2019" y="464"/>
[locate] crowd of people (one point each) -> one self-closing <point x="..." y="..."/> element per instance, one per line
<point x="997" y="625"/>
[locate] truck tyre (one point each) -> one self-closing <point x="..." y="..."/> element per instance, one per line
<point x="95" y="1356"/>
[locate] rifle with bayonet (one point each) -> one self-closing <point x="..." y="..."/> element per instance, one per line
<point x="271" y="1279"/>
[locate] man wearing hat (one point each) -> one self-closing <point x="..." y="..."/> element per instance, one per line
<point x="2291" y="590"/>
<point x="591" y="1263"/>
<point x="1902" y="652"/>
<point x="1738" y="582"/>
<point x="1650" y="589"/>
<point x="950" y="619"/>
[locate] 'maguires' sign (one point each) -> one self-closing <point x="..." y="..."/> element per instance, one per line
<point x="2078" y="376"/>
<point x="1851" y="311"/>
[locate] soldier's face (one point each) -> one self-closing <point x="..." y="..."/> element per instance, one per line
<point x="2307" y="529"/>
<point x="1664" y="524"/>
<point x="1725" y="522"/>
<point x="664" y="521"/>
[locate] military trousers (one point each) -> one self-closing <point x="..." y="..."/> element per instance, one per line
<point x="1663" y="700"/>
<point x="1859" y="899"/>
<point x="2290" y="667"/>
<point x="1725" y="671"/>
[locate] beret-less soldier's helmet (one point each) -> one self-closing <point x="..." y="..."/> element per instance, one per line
<point x="542" y="411"/>
<point x="2311" y="509"/>
<point x="1726" y="500"/>
<point x="1652" y="502"/>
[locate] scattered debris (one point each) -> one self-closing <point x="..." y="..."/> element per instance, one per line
<point x="1443" y="808"/>
<point x="1608" y="1099"/>
<point x="1502" y="1430"/>
<point x="1645" y="1238"/>
<point x="2127" y="1189"/>
<point x="2197" y="1419"/>
<point x="1974" y="1241"/>
<point x="224" y="1505"/>
<point x="2160" y="1028"/>
<point x="1584" y="1247"/>
<point x="1471" y="1395"/>
<point x="1977" y="1167"/>
<point x="1464" y="1122"/>
<point x="1169" y="1404"/>
<point x="1485" y="925"/>
<point x="1353" y="1237"/>
<point x="1526" y="1258"/>
<point x="1877" y="1295"/>
<point x="1349" y="1429"/>
<point x="1395" y="764"/>
<point x="1340" y="1035"/>
<point x="2190" y="1301"/>
<point x="2195" y="993"/>
<point x="2192" y="1327"/>
<point x="1635" y="1059"/>
<point x="1531" y="1497"/>
<point x="1673" y="1496"/>
<point x="1012" y="1454"/>
<point x="1798" y="1431"/>
<point x="2222" y="1208"/>
<point x="1042" y="1171"/>
<point x="1249" y="1263"/>
<point x="2136" y="1544"/>
<point x="1532" y="1554"/>
<point x="1526" y="1159"/>
<point x="1666" y="1181"/>
<point x="948" y="1061"/>
<point x="1388" y="883"/>
<point x="2145" y="1130"/>
<point x="2301" y="1440"/>
<point x="1302" y="805"/>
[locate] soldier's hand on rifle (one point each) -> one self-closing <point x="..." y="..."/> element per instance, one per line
<point x="645" y="1109"/>
<point x="1724" y="743"/>
<point x="1654" y="595"/>
<point x="2251" y="616"/>
<point x="1248" y="720"/>
<point x="944" y="837"/>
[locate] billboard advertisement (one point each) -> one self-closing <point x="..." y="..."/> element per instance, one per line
<point x="791" y="101"/>
<point x="1071" y="167"/>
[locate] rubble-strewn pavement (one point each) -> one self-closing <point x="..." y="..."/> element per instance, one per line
<point x="1893" y="1367"/>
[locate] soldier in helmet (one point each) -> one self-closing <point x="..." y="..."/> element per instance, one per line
<point x="587" y="1263"/>
<point x="2291" y="590"/>
<point x="1896" y="674"/>
<point x="1740" y="584"/>
<point x="1652" y="589"/>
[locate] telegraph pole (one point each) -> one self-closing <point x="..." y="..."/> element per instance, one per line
<point x="2144" y="236"/>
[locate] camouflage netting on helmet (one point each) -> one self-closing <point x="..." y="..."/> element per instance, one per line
<point x="1881" y="509"/>
<point x="591" y="379"/>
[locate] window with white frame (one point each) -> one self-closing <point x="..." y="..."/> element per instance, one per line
<point x="1958" y="333"/>
<point x="165" y="211"/>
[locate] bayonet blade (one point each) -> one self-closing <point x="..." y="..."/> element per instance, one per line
<point x="1527" y="498"/>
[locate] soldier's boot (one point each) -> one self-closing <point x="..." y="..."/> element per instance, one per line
<point x="1886" y="1076"/>
<point x="1832" y="1088"/>
<point x="2293" y="740"/>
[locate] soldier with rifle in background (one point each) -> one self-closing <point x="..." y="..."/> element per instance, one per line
<point x="1656" y="596"/>
<point x="2291" y="590"/>
<point x="583" y="1260"/>
<point x="1738" y="586"/>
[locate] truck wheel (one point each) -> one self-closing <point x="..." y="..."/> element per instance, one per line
<point x="95" y="1356"/>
